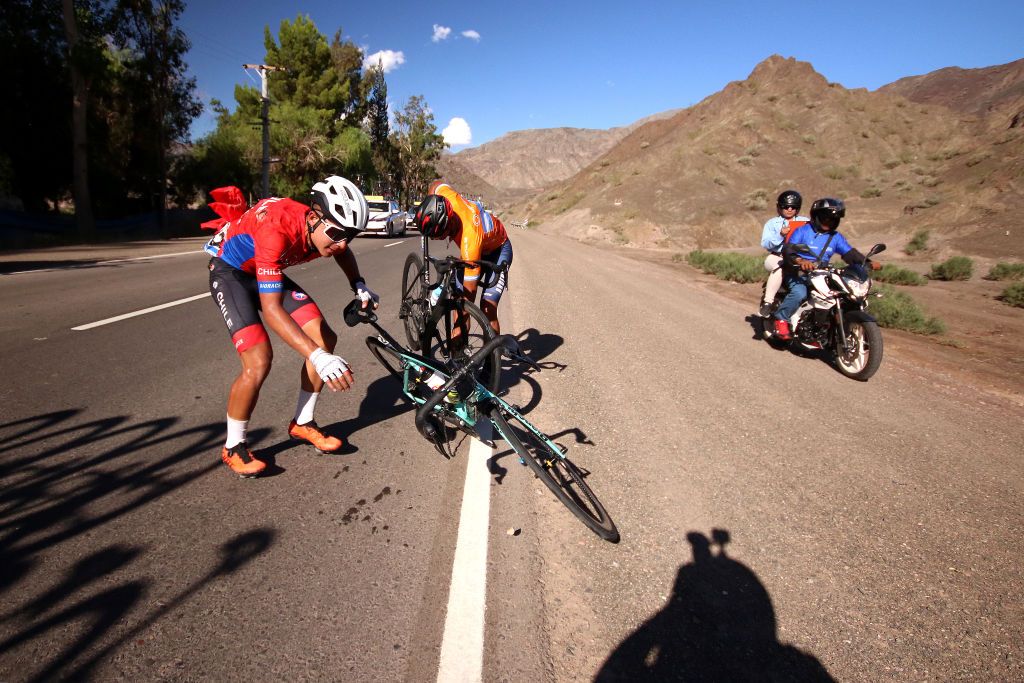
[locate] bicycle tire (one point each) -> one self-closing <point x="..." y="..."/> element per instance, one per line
<point x="558" y="473"/>
<point x="478" y="334"/>
<point x="414" y="301"/>
<point x="386" y="356"/>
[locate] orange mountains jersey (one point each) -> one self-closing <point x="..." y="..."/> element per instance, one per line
<point x="268" y="238"/>
<point x="479" y="232"/>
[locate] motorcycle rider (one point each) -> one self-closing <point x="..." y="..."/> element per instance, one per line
<point x="773" y="238"/>
<point x="809" y="245"/>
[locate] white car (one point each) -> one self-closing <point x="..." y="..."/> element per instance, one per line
<point x="385" y="218"/>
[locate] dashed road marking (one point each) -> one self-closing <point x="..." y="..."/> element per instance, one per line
<point x="74" y="266"/>
<point x="116" y="318"/>
<point x="394" y="244"/>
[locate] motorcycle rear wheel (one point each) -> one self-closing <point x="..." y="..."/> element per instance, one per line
<point x="864" y="341"/>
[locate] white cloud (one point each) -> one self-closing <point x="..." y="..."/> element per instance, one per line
<point x="440" y="33"/>
<point x="389" y="59"/>
<point x="457" y="132"/>
<point x="472" y="35"/>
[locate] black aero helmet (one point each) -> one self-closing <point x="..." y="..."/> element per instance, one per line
<point x="432" y="216"/>
<point x="790" y="199"/>
<point x="827" y="212"/>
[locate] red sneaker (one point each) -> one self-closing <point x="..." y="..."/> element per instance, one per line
<point x="241" y="461"/>
<point x="782" y="330"/>
<point x="312" y="433"/>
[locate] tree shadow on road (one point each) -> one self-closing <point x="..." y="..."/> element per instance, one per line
<point x="719" y="625"/>
<point x="63" y="479"/>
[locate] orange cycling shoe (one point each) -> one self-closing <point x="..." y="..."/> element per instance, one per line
<point x="241" y="461"/>
<point x="311" y="432"/>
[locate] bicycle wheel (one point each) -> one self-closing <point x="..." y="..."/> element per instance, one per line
<point x="479" y="332"/>
<point x="386" y="356"/>
<point x="557" y="472"/>
<point x="414" y="309"/>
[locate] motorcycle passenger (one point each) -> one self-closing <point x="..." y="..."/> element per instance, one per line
<point x="773" y="238"/>
<point x="822" y="239"/>
<point x="250" y="252"/>
<point x="444" y="213"/>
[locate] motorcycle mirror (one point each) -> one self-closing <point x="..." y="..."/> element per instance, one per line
<point x="877" y="249"/>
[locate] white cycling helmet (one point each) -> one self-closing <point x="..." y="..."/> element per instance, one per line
<point x="342" y="203"/>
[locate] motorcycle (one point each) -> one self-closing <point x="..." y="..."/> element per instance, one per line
<point x="834" y="317"/>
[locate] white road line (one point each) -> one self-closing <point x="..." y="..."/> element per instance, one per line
<point x="462" y="646"/>
<point x="393" y="244"/>
<point x="89" y="326"/>
<point x="104" y="263"/>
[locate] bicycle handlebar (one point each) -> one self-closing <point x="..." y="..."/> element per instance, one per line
<point x="476" y="360"/>
<point x="443" y="265"/>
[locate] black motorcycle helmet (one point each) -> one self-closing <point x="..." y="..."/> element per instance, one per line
<point x="432" y="216"/>
<point x="790" y="199"/>
<point x="826" y="213"/>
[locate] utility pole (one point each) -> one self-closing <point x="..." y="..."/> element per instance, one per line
<point x="262" y="69"/>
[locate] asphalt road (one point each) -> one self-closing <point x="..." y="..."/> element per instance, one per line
<point x="778" y="520"/>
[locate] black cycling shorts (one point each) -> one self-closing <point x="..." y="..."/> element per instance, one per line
<point x="235" y="296"/>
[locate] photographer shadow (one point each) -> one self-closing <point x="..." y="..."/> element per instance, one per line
<point x="719" y="625"/>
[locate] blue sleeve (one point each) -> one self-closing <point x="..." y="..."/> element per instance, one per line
<point x="771" y="238"/>
<point x="842" y="246"/>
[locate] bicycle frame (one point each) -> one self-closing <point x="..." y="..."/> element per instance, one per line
<point x="466" y="410"/>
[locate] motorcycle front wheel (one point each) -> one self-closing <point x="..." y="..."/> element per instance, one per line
<point x="864" y="350"/>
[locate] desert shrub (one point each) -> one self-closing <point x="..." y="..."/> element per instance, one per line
<point x="809" y="139"/>
<point x="871" y="193"/>
<point x="728" y="266"/>
<point x="892" y="163"/>
<point x="953" y="268"/>
<point x="745" y="160"/>
<point x="1013" y="295"/>
<point x="977" y="159"/>
<point x="918" y="242"/>
<point x="835" y="172"/>
<point x="1006" y="271"/>
<point x="645" y="144"/>
<point x="899" y="276"/>
<point x="677" y="257"/>
<point x="754" y="151"/>
<point x="899" y="311"/>
<point x="717" y="180"/>
<point x="772" y="98"/>
<point x="756" y="200"/>
<point x="749" y="124"/>
<point x="930" y="181"/>
<point x="710" y="151"/>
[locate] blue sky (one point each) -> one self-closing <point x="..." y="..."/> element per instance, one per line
<point x="504" y="66"/>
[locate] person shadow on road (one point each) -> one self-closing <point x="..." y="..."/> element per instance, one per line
<point x="719" y="625"/>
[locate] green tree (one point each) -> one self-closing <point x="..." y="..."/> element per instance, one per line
<point x="311" y="79"/>
<point x="379" y="129"/>
<point x="419" y="147"/>
<point x="315" y="131"/>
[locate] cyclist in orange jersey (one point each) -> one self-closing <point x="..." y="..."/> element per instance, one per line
<point x="444" y="213"/>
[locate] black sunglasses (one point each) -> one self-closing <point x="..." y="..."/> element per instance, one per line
<point x="336" y="234"/>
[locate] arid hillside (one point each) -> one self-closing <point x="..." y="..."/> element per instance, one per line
<point x="707" y="176"/>
<point x="523" y="161"/>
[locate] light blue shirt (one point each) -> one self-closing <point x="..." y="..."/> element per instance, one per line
<point x="771" y="236"/>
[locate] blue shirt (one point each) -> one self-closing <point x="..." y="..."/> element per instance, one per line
<point x="771" y="236"/>
<point x="806" y="234"/>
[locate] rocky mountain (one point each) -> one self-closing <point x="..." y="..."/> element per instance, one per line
<point x="526" y="160"/>
<point x="995" y="94"/>
<point x="707" y="176"/>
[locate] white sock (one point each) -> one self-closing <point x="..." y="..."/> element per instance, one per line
<point x="236" y="432"/>
<point x="306" y="406"/>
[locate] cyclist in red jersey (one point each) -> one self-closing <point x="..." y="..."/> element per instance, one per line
<point x="250" y="253"/>
<point x="444" y="213"/>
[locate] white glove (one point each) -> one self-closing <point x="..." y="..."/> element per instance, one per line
<point x="327" y="365"/>
<point x="365" y="294"/>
